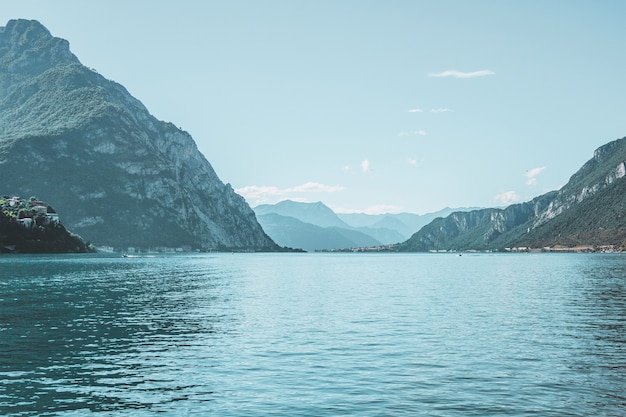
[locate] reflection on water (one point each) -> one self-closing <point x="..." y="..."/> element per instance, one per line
<point x="104" y="333"/>
<point x="600" y="306"/>
<point x="313" y="335"/>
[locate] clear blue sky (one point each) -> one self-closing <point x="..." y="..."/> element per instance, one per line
<point x="368" y="106"/>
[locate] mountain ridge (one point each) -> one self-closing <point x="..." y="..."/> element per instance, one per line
<point x="293" y="233"/>
<point x="316" y="213"/>
<point x="124" y="178"/>
<point x="588" y="209"/>
<point x="332" y="229"/>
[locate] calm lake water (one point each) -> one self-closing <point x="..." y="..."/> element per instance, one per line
<point x="313" y="335"/>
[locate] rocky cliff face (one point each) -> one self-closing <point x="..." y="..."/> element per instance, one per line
<point x="589" y="209"/>
<point x="606" y="166"/>
<point x="120" y="176"/>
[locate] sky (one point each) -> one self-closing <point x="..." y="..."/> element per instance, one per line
<point x="368" y="106"/>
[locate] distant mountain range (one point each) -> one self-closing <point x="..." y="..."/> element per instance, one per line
<point x="290" y="232"/>
<point x="119" y="176"/>
<point x="314" y="226"/>
<point x="403" y="223"/>
<point x="589" y="210"/>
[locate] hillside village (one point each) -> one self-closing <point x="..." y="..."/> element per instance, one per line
<point x="32" y="226"/>
<point x="28" y="213"/>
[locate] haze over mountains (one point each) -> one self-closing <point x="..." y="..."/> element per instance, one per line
<point x="119" y="176"/>
<point x="314" y="226"/>
<point x="590" y="210"/>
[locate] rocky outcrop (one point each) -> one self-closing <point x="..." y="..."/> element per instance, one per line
<point x="34" y="227"/>
<point x="119" y="176"/>
<point x="589" y="209"/>
<point x="607" y="165"/>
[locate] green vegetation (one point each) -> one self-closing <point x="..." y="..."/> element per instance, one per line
<point x="121" y="178"/>
<point x="588" y="213"/>
<point x="33" y="227"/>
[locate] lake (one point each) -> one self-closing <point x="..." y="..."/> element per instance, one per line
<point x="313" y="335"/>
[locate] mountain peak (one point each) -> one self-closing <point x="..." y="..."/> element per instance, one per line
<point x="27" y="48"/>
<point x="27" y="29"/>
<point x="318" y="213"/>
<point x="122" y="177"/>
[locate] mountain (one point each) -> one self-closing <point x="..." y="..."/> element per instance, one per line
<point x="385" y="235"/>
<point x="310" y="226"/>
<point x="120" y="177"/>
<point x="589" y="210"/>
<point x="405" y="224"/>
<point x="361" y="230"/>
<point x="317" y="214"/>
<point x="293" y="233"/>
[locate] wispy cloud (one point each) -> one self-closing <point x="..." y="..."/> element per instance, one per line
<point x="435" y="110"/>
<point x="260" y="194"/>
<point x="532" y="174"/>
<point x="414" y="162"/>
<point x="365" y="166"/>
<point x="316" y="187"/>
<point x="377" y="209"/>
<point x="413" y="133"/>
<point x="507" y="198"/>
<point x="461" y="74"/>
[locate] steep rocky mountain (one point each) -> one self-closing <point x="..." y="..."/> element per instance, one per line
<point x="589" y="210"/>
<point x="119" y="176"/>
<point x="293" y="233"/>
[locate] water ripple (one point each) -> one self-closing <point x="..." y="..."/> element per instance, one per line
<point x="237" y="335"/>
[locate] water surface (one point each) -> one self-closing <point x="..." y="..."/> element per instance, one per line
<point x="313" y="334"/>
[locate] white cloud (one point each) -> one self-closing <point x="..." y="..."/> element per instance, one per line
<point x="316" y="187"/>
<point x="532" y="174"/>
<point x="260" y="194"/>
<point x="365" y="166"/>
<point x="507" y="198"/>
<point x="412" y="161"/>
<point x="378" y="209"/>
<point x="382" y="209"/>
<point x="461" y="74"/>
<point x="413" y="133"/>
<point x="433" y="110"/>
